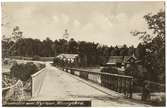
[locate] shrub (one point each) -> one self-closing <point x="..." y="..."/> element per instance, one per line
<point x="23" y="71"/>
<point x="36" y="57"/>
<point x="159" y="101"/>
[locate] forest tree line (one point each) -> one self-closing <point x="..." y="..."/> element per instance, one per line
<point x="96" y="53"/>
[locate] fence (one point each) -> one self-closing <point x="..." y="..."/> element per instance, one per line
<point x="13" y="92"/>
<point x="33" y="58"/>
<point x="156" y="87"/>
<point x="46" y="58"/>
<point x="21" y="58"/>
<point x="118" y="83"/>
<point x="139" y="84"/>
<point x="37" y="81"/>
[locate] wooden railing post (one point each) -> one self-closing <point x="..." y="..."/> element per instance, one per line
<point x="120" y="85"/>
<point x="125" y="87"/>
<point x="31" y="87"/>
<point x="72" y="71"/>
<point x="131" y="88"/>
<point x="117" y="84"/>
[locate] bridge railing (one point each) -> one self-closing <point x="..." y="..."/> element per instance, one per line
<point x="37" y="81"/>
<point x="118" y="83"/>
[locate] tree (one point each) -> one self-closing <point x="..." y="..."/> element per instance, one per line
<point x="117" y="51"/>
<point x="63" y="46"/>
<point x="124" y="51"/>
<point x="73" y="46"/>
<point x="152" y="49"/>
<point x="131" y="50"/>
<point x="156" y="23"/>
<point x="47" y="48"/>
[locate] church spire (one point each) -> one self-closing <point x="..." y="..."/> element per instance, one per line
<point x="66" y="34"/>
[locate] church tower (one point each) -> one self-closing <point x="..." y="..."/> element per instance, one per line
<point x="66" y="35"/>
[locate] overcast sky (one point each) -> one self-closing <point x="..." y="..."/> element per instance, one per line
<point x="108" y="23"/>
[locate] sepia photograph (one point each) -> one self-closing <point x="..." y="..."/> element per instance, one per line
<point x="83" y="54"/>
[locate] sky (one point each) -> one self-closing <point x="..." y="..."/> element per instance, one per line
<point x="108" y="23"/>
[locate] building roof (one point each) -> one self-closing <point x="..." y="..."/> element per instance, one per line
<point x="67" y="56"/>
<point x="127" y="59"/>
<point x="120" y="59"/>
<point x="115" y="59"/>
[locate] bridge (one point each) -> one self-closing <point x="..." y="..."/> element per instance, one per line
<point x="52" y="83"/>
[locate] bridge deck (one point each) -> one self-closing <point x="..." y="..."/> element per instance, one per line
<point x="59" y="85"/>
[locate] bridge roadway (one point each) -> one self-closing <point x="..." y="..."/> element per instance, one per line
<point x="59" y="85"/>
